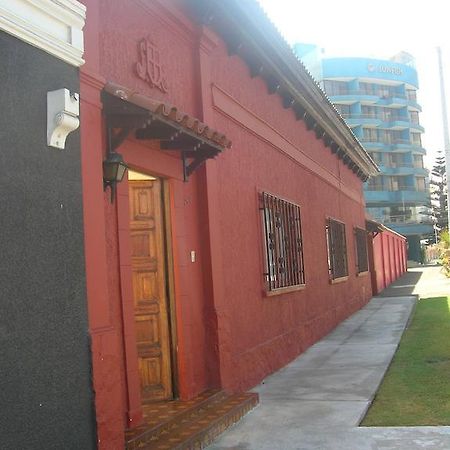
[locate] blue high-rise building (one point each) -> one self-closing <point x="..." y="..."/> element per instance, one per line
<point x="377" y="98"/>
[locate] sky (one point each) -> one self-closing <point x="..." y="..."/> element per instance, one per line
<point x="378" y="29"/>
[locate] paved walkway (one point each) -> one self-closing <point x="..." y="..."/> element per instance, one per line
<point x="426" y="281"/>
<point x="318" y="400"/>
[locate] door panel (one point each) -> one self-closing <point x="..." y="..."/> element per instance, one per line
<point x="149" y="289"/>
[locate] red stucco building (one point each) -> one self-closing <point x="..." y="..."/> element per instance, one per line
<point x="237" y="238"/>
<point x="137" y="314"/>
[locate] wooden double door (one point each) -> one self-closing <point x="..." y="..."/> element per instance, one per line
<point x="150" y="288"/>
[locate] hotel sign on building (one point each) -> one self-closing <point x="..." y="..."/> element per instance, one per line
<point x="383" y="68"/>
<point x="369" y="68"/>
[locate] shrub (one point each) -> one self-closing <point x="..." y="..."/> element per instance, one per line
<point x="444" y="250"/>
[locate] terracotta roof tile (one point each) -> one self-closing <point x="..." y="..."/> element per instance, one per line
<point x="169" y="113"/>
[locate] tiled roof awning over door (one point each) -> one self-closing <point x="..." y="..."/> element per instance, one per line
<point x="128" y="111"/>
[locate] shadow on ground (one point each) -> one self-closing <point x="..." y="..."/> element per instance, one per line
<point x="405" y="285"/>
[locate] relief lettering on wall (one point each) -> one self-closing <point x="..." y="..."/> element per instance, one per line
<point x="149" y="66"/>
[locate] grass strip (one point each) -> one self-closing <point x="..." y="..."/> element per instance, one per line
<point x="416" y="388"/>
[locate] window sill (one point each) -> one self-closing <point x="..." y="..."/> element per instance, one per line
<point x="285" y="290"/>
<point x="362" y="274"/>
<point x="339" y="280"/>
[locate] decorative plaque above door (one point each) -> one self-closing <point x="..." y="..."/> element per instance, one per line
<point x="149" y="67"/>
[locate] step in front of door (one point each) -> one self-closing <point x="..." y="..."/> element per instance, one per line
<point x="195" y="427"/>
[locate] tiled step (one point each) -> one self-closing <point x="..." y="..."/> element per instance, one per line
<point x="160" y="417"/>
<point x="192" y="427"/>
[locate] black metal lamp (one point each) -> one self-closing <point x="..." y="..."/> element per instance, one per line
<point x="114" y="169"/>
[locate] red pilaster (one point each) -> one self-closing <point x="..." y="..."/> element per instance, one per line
<point x="214" y="270"/>
<point x="106" y="338"/>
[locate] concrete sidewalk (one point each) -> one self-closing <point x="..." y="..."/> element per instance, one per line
<point x="318" y="400"/>
<point x="424" y="281"/>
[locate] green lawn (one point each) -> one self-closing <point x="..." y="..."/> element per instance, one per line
<point x="416" y="388"/>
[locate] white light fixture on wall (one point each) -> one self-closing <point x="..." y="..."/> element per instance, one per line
<point x="63" y="109"/>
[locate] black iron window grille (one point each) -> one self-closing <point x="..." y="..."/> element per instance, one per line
<point x="361" y="250"/>
<point x="337" y="249"/>
<point x="283" y="243"/>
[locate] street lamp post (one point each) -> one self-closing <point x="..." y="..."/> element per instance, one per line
<point x="445" y="128"/>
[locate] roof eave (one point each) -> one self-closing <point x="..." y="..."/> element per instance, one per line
<point x="252" y="27"/>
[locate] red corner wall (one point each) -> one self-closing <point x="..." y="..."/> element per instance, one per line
<point x="390" y="260"/>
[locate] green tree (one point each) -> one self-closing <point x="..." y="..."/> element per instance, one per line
<point x="438" y="184"/>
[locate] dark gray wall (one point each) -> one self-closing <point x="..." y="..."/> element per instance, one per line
<point x="46" y="399"/>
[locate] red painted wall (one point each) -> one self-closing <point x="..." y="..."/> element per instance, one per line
<point x="264" y="333"/>
<point x="389" y="258"/>
<point x="230" y="334"/>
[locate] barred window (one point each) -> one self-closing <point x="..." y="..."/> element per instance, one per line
<point x="361" y="250"/>
<point x="337" y="249"/>
<point x="283" y="243"/>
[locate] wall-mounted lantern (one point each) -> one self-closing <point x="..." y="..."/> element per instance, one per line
<point x="114" y="168"/>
